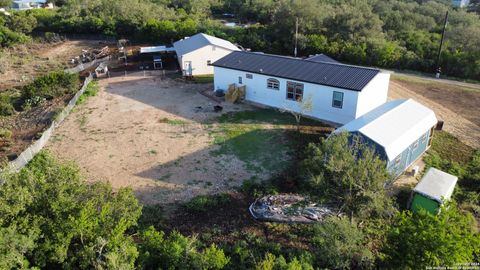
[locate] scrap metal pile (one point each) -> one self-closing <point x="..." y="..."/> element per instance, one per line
<point x="288" y="208"/>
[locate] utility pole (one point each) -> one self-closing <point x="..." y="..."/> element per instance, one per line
<point x="296" y="37"/>
<point x="441" y="46"/>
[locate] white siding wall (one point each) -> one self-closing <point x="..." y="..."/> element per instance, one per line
<point x="373" y="94"/>
<point x="322" y="96"/>
<point x="200" y="57"/>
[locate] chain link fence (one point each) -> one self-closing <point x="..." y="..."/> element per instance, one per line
<point x="28" y="154"/>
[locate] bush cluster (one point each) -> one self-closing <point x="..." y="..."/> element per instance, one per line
<point x="203" y="203"/>
<point x="54" y="84"/>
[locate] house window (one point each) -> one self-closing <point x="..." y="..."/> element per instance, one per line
<point x="337" y="101"/>
<point x="249" y="76"/>
<point x="240" y="80"/>
<point x="209" y="62"/>
<point x="415" y="145"/>
<point x="424" y="137"/>
<point x="397" y="160"/>
<point x="273" y="84"/>
<point x="295" y="91"/>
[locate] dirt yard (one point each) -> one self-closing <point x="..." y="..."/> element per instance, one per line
<point x="161" y="138"/>
<point x="21" y="64"/>
<point x="457" y="106"/>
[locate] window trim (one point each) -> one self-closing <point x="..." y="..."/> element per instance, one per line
<point x="415" y="145"/>
<point x="296" y="88"/>
<point x="273" y="84"/>
<point x="397" y="160"/>
<point x="333" y="99"/>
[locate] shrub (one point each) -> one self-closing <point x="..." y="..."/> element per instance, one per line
<point x="90" y="91"/>
<point x="177" y="252"/>
<point x="214" y="258"/>
<point x="6" y="107"/>
<point x="271" y="262"/>
<point x="420" y="240"/>
<point x="54" y="84"/>
<point x="5" y="134"/>
<point x="341" y="245"/>
<point x="347" y="172"/>
<point x="67" y="223"/>
<point x="203" y="203"/>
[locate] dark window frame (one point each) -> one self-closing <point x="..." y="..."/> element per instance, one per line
<point x="240" y="80"/>
<point x="249" y="76"/>
<point x="339" y="106"/>
<point x="295" y="91"/>
<point x="273" y="84"/>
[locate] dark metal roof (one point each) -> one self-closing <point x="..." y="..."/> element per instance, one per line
<point x="330" y="74"/>
<point x="322" y="58"/>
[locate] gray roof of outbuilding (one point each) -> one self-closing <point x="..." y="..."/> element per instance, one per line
<point x="330" y="74"/>
<point x="322" y="58"/>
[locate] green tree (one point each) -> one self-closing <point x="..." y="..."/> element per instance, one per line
<point x="423" y="240"/>
<point x="177" y="252"/>
<point x="5" y="3"/>
<point x="272" y="262"/>
<point x="340" y="244"/>
<point x="60" y="221"/>
<point x="21" y="22"/>
<point x="344" y="171"/>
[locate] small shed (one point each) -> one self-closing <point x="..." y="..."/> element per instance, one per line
<point x="433" y="190"/>
<point x="400" y="131"/>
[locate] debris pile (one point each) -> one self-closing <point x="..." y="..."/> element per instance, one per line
<point x="235" y="94"/>
<point x="288" y="208"/>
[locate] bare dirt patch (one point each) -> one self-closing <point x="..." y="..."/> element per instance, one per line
<point x="456" y="107"/>
<point x="154" y="135"/>
<point x="25" y="62"/>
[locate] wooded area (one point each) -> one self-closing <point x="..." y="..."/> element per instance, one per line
<point x="400" y="34"/>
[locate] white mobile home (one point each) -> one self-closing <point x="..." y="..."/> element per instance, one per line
<point x="339" y="93"/>
<point x="195" y="53"/>
<point x="400" y="131"/>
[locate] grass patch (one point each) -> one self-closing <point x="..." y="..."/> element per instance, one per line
<point x="245" y="135"/>
<point x="264" y="116"/>
<point x="450" y="148"/>
<point x="257" y="147"/>
<point x="430" y="83"/>
<point x="204" y="203"/>
<point x="173" y="122"/>
<point x="91" y="90"/>
<point x="203" y="79"/>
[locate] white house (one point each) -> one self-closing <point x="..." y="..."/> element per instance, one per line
<point x="339" y="93"/>
<point x="400" y="131"/>
<point x="195" y="53"/>
<point x="460" y="3"/>
<point x="29" y="4"/>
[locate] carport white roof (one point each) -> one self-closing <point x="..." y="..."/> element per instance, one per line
<point x="437" y="185"/>
<point x="395" y="125"/>
<point x="201" y="40"/>
<point x="155" y="49"/>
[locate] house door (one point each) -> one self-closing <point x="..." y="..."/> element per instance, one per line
<point x="187" y="68"/>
